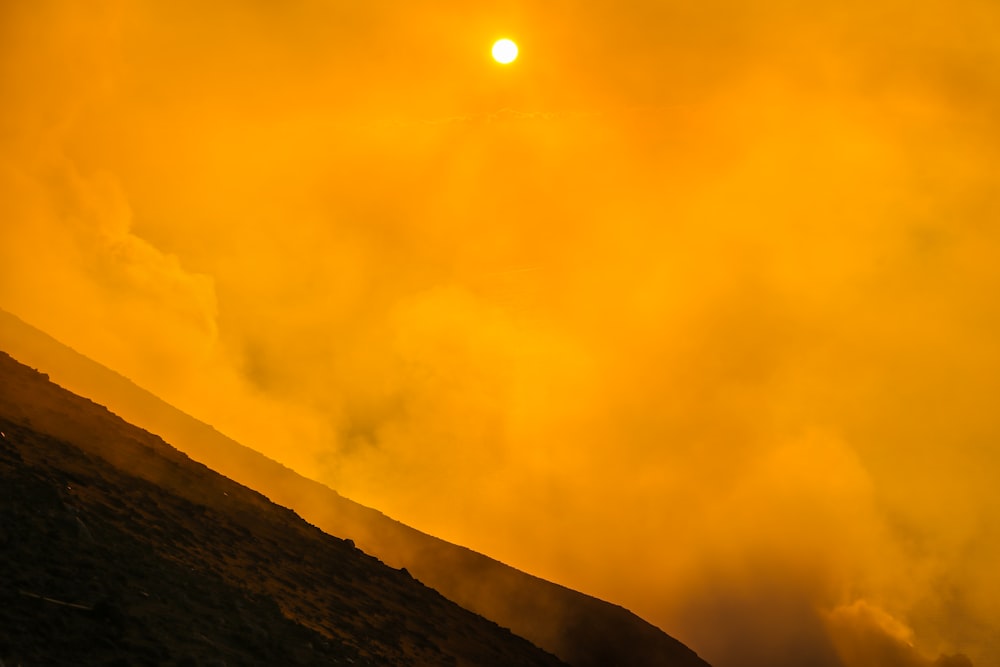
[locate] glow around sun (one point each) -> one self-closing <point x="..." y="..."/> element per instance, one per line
<point x="504" y="51"/>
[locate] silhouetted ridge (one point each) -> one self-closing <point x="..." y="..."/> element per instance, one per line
<point x="581" y="630"/>
<point x="118" y="549"/>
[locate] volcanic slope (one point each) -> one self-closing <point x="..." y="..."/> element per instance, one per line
<point x="116" y="548"/>
<point x="580" y="629"/>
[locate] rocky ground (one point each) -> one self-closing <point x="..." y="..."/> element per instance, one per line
<point x="116" y="549"/>
<point x="581" y="630"/>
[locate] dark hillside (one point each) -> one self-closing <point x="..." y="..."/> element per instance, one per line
<point x="117" y="549"/>
<point x="580" y="629"/>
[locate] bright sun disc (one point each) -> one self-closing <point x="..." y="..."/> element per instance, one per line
<point x="504" y="51"/>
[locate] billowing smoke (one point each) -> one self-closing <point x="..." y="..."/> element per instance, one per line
<point x="692" y="308"/>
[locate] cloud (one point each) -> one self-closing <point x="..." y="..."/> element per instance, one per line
<point x="866" y="635"/>
<point x="692" y="308"/>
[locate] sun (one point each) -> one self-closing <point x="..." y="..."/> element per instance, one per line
<point x="504" y="51"/>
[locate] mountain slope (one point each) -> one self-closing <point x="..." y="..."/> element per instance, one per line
<point x="582" y="630"/>
<point x="118" y="549"/>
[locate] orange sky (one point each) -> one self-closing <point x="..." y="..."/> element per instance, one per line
<point x="693" y="307"/>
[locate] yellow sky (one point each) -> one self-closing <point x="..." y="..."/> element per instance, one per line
<point x="692" y="307"/>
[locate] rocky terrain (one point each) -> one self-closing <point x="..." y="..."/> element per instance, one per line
<point x="581" y="630"/>
<point x="116" y="549"/>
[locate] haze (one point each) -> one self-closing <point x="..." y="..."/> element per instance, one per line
<point x="693" y="307"/>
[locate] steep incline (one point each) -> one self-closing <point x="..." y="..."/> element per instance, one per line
<point x="580" y="629"/>
<point x="116" y="548"/>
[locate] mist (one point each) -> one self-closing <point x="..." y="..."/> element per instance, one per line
<point x="689" y="308"/>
